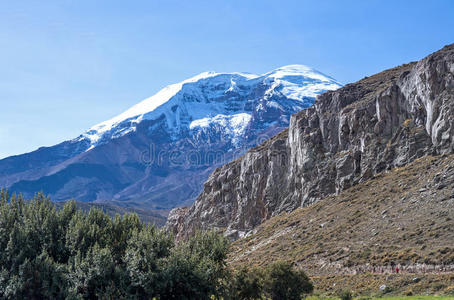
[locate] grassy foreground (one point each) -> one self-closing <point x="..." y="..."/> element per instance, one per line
<point x="390" y="298"/>
<point x="418" y="298"/>
<point x="368" y="285"/>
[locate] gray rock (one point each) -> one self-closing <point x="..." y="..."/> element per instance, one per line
<point x="381" y="122"/>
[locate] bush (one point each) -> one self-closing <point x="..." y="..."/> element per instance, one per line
<point x="246" y="284"/>
<point x="345" y="295"/>
<point x="282" y="281"/>
<point x="196" y="269"/>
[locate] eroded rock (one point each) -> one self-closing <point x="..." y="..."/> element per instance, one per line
<point x="348" y="136"/>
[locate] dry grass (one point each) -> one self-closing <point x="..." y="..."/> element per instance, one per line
<point x="363" y="285"/>
<point x="402" y="217"/>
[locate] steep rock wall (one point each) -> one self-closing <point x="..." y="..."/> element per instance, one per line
<point x="349" y="135"/>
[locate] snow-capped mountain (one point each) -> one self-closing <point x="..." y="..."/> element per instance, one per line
<point x="158" y="153"/>
<point x="207" y="99"/>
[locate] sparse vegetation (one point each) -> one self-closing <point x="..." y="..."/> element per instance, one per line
<point x="401" y="217"/>
<point x="345" y="295"/>
<point x="387" y="298"/>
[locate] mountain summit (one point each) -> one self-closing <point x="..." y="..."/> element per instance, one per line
<point x="212" y="97"/>
<point x="157" y="154"/>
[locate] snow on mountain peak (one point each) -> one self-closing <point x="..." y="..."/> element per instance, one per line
<point x="233" y="125"/>
<point x="298" y="70"/>
<point x="297" y="82"/>
<point x="145" y="106"/>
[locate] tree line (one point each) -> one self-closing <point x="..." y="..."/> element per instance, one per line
<point x="50" y="253"/>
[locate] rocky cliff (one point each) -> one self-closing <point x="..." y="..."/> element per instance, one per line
<point x="378" y="123"/>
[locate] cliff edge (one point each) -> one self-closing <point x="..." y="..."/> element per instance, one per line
<point x="350" y="135"/>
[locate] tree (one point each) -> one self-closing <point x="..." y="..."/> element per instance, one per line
<point x="95" y="275"/>
<point x="50" y="253"/>
<point x="196" y="269"/>
<point x="146" y="248"/>
<point x="84" y="231"/>
<point x="42" y="278"/>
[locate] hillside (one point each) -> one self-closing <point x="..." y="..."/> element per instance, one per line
<point x="404" y="216"/>
<point x="401" y="217"/>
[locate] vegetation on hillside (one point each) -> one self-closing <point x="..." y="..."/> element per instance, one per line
<point x="152" y="217"/>
<point x="402" y="217"/>
<point x="387" y="298"/>
<point x="50" y="253"/>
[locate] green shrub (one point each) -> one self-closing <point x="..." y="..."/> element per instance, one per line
<point x="345" y="295"/>
<point x="246" y="284"/>
<point x="283" y="281"/>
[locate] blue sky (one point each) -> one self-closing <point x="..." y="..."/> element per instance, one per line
<point x="68" y="65"/>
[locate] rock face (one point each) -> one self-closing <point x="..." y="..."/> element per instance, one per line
<point x="157" y="154"/>
<point x="382" y="220"/>
<point x="349" y="135"/>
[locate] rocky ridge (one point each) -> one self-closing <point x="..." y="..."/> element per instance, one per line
<point x="376" y="124"/>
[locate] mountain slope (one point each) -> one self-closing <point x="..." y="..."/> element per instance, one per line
<point x="402" y="217"/>
<point x="381" y="122"/>
<point x="157" y="154"/>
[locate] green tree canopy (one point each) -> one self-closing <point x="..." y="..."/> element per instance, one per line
<point x="50" y="253"/>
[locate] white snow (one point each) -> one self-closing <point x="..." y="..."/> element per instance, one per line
<point x="234" y="125"/>
<point x="273" y="104"/>
<point x="195" y="103"/>
<point x="148" y="104"/>
<point x="299" y="81"/>
<point x="298" y="70"/>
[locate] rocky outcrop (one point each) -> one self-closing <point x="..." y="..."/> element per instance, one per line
<point x="349" y="135"/>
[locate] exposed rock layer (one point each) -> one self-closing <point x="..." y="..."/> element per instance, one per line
<point x="349" y="135"/>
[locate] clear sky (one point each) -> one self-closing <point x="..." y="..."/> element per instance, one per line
<point x="69" y="64"/>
